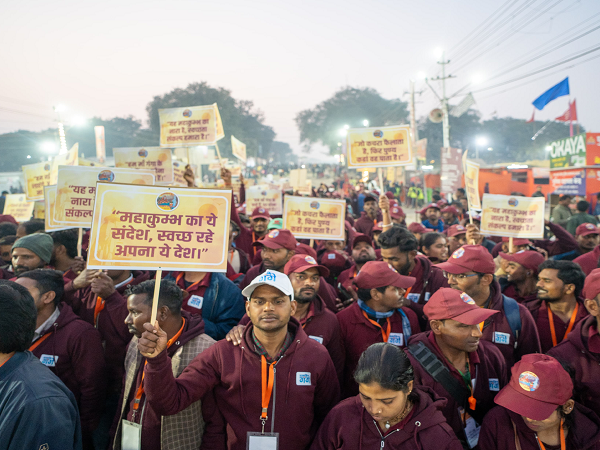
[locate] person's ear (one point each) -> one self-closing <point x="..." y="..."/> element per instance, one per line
<point x="436" y="326"/>
<point x="376" y="295"/>
<point x="569" y="289"/>
<point x="48" y="297"/>
<point x="488" y="279"/>
<point x="163" y="313"/>
<point x="413" y="254"/>
<point x="568" y="406"/>
<point x="294" y="307"/>
<point x="592" y="307"/>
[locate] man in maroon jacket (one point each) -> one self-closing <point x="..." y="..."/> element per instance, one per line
<point x="31" y="252"/>
<point x="362" y="252"/>
<point x="452" y="357"/>
<point x="277" y="367"/>
<point x="522" y="272"/>
<point x="64" y="253"/>
<point x="399" y="248"/>
<point x="470" y="269"/>
<point x="68" y="346"/>
<point x="379" y="315"/>
<point x="558" y="307"/>
<point x="581" y="349"/>
<point x="589" y="261"/>
<point x="369" y="217"/>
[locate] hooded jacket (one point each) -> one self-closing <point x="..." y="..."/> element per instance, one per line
<point x="496" y="330"/>
<point x="162" y="432"/>
<point x="365" y="224"/>
<point x="73" y="352"/>
<point x="497" y="431"/>
<point x="305" y="389"/>
<point x="349" y="426"/>
<point x="589" y="261"/>
<point x="110" y="322"/>
<point x="510" y="290"/>
<point x="489" y="376"/>
<point x="430" y="278"/>
<point x="575" y="352"/>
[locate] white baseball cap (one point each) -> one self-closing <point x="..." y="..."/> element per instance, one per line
<point x="272" y="278"/>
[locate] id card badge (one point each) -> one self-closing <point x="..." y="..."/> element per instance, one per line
<point x="472" y="430"/>
<point x="262" y="441"/>
<point x="131" y="436"/>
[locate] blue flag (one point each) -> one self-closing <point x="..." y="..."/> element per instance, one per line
<point x="559" y="90"/>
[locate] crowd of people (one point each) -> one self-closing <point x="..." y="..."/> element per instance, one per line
<point x="405" y="335"/>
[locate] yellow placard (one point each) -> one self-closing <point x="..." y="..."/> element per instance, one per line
<point x="298" y="178"/>
<point x="36" y="177"/>
<point x="156" y="227"/>
<point x="314" y="218"/>
<point x="512" y="216"/>
<point x="39" y="209"/>
<point x="190" y="126"/>
<point x="391" y="174"/>
<point x="160" y="160"/>
<point x="75" y="191"/>
<point x="238" y="148"/>
<point x="71" y="158"/>
<point x="263" y="197"/>
<point x="379" y="147"/>
<point x="215" y="166"/>
<point x="17" y="206"/>
<point x="88" y="162"/>
<point x="49" y="203"/>
<point x="471" y="171"/>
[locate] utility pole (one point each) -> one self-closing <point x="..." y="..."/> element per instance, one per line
<point x="443" y="99"/>
<point x="413" y="118"/>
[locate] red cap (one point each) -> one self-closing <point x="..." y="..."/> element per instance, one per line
<point x="591" y="287"/>
<point x="431" y="205"/>
<point x="538" y="385"/>
<point x="376" y="274"/>
<point x="300" y="263"/>
<point x="448" y="303"/>
<point x="451" y="210"/>
<point x="333" y="260"/>
<point x="378" y="227"/>
<point x="396" y="212"/>
<point x="260" y="213"/>
<point x="441" y="202"/>
<point x="278" y="239"/>
<point x="517" y="241"/>
<point x="455" y="230"/>
<point x="586" y="229"/>
<point x="467" y="258"/>
<point x="371" y="198"/>
<point x="389" y="195"/>
<point x="527" y="258"/>
<point x="361" y="238"/>
<point x="304" y="249"/>
<point x="417" y="227"/>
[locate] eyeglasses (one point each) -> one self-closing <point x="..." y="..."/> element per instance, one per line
<point x="460" y="276"/>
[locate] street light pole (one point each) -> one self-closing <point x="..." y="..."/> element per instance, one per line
<point x="443" y="99"/>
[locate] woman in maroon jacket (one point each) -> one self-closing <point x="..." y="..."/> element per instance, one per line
<point x="389" y="412"/>
<point x="537" y="412"/>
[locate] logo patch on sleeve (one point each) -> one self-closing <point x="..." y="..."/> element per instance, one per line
<point x="303" y="378"/>
<point x="49" y="360"/>
<point x="195" y="301"/>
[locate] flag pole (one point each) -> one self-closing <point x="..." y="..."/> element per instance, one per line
<point x="570" y="118"/>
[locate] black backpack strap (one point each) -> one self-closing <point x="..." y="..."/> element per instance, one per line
<point x="440" y="373"/>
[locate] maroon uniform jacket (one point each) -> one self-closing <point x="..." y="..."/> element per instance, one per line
<point x="349" y="426"/>
<point x="575" y="352"/>
<point x="73" y="351"/>
<point x="539" y="311"/>
<point x="497" y="330"/>
<point x="358" y="333"/>
<point x="488" y="370"/>
<point x="589" y="261"/>
<point x="306" y="388"/>
<point x="511" y="291"/>
<point x="110" y="322"/>
<point x="365" y="224"/>
<point x="497" y="431"/>
<point x="430" y="278"/>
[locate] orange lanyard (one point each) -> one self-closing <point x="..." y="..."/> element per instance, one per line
<point x="384" y="334"/>
<point x="100" y="303"/>
<point x="5" y="362"/>
<point x="192" y="286"/>
<point x="569" y="328"/>
<point x="563" y="442"/>
<point x="253" y="246"/>
<point x="140" y="391"/>
<point x="375" y="222"/>
<point x="39" y="341"/>
<point x="231" y="256"/>
<point x="267" y="385"/>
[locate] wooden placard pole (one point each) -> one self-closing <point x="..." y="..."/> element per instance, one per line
<point x="155" y="298"/>
<point x="510" y="245"/>
<point x="380" y="174"/>
<point x="219" y="155"/>
<point x="79" y="241"/>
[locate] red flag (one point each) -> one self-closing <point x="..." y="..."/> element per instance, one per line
<point x="569" y="115"/>
<point x="532" y="117"/>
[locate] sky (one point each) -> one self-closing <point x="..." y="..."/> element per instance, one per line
<point x="111" y="58"/>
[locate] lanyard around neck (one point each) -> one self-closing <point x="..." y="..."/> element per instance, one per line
<point x="563" y="442"/>
<point x="384" y="334"/>
<point x="267" y="386"/>
<point x="569" y="328"/>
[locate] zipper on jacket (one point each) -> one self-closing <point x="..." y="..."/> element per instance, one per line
<point x="383" y="438"/>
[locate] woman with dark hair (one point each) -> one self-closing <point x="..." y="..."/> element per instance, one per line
<point x="434" y="246"/>
<point x="389" y="412"/>
<point x="536" y="411"/>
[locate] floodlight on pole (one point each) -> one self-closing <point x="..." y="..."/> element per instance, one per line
<point x="365" y="123"/>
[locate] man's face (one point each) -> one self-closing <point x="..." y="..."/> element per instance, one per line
<point x="31" y="286"/>
<point x="459" y="336"/>
<point x="393" y="298"/>
<point x="275" y="258"/>
<point x="363" y="252"/>
<point x="399" y="221"/>
<point x="24" y="260"/>
<point x="433" y="214"/>
<point x="516" y="273"/>
<point x="306" y="285"/>
<point x="332" y="246"/>
<point x="399" y="261"/>
<point x="270" y="309"/>
<point x="468" y="282"/>
<point x="448" y="217"/>
<point x="588" y="243"/>
<point x="456" y="242"/>
<point x="5" y="253"/>
<point x="465" y="203"/>
<point x="259" y="225"/>
<point x="549" y="287"/>
<point x="565" y="202"/>
<point x="370" y="207"/>
<point x="139" y="314"/>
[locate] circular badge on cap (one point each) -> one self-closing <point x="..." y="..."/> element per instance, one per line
<point x="589" y="226"/>
<point x="394" y="210"/>
<point x="529" y="381"/>
<point x="380" y="224"/>
<point x="261" y="210"/>
<point x="309" y="259"/>
<point x="460" y="227"/>
<point x="465" y="298"/>
<point x="392" y="268"/>
<point x="273" y="234"/>
<point x="458" y="253"/>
